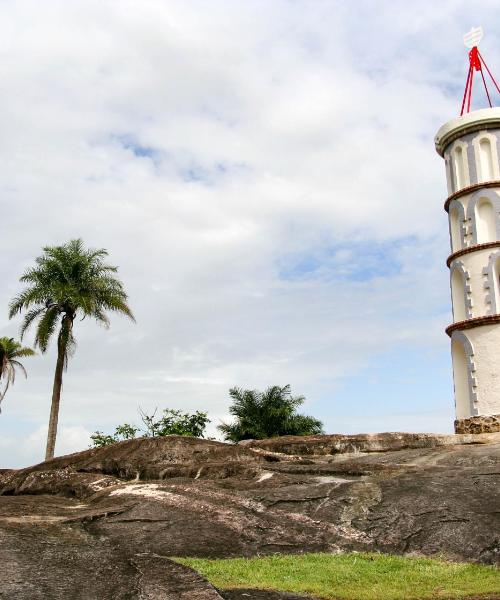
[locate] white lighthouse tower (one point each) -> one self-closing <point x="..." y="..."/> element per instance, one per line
<point x="470" y="146"/>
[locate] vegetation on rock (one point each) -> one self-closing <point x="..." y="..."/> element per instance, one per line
<point x="122" y="432"/>
<point x="171" y="422"/>
<point x="10" y="353"/>
<point x="67" y="282"/>
<point x="261" y="415"/>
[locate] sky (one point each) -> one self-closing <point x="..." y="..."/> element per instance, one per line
<point x="263" y="174"/>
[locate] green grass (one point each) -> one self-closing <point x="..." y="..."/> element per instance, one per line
<point x="353" y="576"/>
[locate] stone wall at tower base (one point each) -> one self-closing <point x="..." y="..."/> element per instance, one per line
<point x="480" y="424"/>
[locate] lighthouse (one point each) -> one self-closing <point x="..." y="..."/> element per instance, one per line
<point x="470" y="147"/>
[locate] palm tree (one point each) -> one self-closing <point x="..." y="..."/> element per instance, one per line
<point x="67" y="281"/>
<point x="261" y="415"/>
<point x="10" y="352"/>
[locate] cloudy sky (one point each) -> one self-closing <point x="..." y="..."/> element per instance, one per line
<point x="263" y="174"/>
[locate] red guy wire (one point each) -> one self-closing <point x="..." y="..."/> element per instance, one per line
<point x="486" y="88"/>
<point x="466" y="89"/>
<point x="489" y="72"/>
<point x="470" y="88"/>
<point x="476" y="62"/>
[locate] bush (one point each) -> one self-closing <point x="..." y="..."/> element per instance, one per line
<point x="175" y="422"/>
<point x="122" y="432"/>
<point x="171" y="422"/>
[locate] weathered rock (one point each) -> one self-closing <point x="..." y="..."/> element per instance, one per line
<point x="320" y="445"/>
<point x="84" y="512"/>
<point x="163" y="579"/>
<point x="66" y="481"/>
<point x="83" y="473"/>
<point x="50" y="557"/>
<point x="152" y="458"/>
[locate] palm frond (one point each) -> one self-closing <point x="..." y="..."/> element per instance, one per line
<point x="46" y="327"/>
<point x="35" y="295"/>
<point x="10" y="349"/>
<point x="29" y="318"/>
<point x="101" y="317"/>
<point x="16" y="363"/>
<point x="23" y="352"/>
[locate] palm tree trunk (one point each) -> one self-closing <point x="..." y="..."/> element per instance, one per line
<point x="56" y="390"/>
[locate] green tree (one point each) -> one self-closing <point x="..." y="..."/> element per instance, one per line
<point x="122" y="432"/>
<point x="171" y="422"/>
<point x="10" y="353"/>
<point x="260" y="415"/>
<point x="67" y="282"/>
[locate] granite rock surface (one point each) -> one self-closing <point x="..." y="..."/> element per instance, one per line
<point x="103" y="523"/>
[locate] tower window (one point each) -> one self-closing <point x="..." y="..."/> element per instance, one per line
<point x="486" y="170"/>
<point x="459" y="167"/>
<point x="485" y="221"/>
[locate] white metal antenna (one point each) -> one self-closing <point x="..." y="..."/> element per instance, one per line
<point x="473" y="37"/>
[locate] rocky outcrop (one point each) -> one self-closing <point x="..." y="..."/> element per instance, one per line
<point x="146" y="459"/>
<point x="320" y="445"/>
<point x="480" y="424"/>
<point x="118" y="512"/>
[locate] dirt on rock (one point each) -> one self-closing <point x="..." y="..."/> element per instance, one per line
<point x="119" y="512"/>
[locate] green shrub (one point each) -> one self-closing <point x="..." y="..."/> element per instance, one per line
<point x="171" y="422"/>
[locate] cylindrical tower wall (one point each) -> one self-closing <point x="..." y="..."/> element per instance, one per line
<point x="470" y="146"/>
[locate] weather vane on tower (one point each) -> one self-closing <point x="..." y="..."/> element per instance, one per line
<point x="476" y="63"/>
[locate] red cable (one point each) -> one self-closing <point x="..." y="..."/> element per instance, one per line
<point x="470" y="89"/>
<point x="486" y="88"/>
<point x="466" y="89"/>
<point x="489" y="72"/>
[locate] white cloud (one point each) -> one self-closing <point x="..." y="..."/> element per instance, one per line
<point x="212" y="149"/>
<point x="31" y="449"/>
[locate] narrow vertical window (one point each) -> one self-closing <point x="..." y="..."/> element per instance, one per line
<point x="449" y="174"/>
<point x="486" y="160"/>
<point x="458" y="164"/>
<point x="485" y="222"/>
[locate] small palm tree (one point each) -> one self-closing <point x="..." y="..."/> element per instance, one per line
<point x="67" y="281"/>
<point x="261" y="415"/>
<point x="10" y="352"/>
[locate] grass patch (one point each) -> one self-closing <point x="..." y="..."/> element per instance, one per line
<point x="353" y="576"/>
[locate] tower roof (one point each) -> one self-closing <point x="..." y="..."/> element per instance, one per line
<point x="486" y="118"/>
